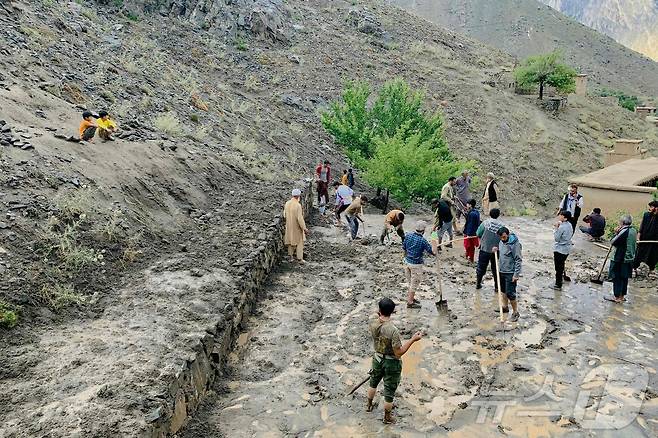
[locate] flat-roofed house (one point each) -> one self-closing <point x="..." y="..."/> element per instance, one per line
<point x="627" y="186"/>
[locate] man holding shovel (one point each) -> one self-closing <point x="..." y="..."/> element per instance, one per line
<point x="386" y="363"/>
<point x="489" y="239"/>
<point x="509" y="266"/>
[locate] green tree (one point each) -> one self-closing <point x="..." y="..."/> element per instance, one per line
<point x="625" y="100"/>
<point x="349" y="121"/>
<point x="545" y="70"/>
<point x="400" y="146"/>
<point x="397" y="106"/>
<point x="411" y="167"/>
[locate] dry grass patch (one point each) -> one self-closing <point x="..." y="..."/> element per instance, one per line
<point x="168" y="123"/>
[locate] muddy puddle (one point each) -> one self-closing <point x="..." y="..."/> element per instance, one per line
<point x="574" y="364"/>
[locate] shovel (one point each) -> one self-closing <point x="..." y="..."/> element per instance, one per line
<point x="359" y="385"/>
<point x="500" y="292"/>
<point x="441" y="301"/>
<point x="598" y="280"/>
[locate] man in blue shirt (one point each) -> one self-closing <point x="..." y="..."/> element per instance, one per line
<point x="415" y="246"/>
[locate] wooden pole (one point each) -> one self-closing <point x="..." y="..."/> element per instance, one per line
<point x="638" y="242"/>
<point x="456" y="240"/>
<point x="500" y="292"/>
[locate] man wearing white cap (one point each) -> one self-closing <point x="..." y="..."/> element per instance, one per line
<point x="296" y="230"/>
<point x="415" y="246"/>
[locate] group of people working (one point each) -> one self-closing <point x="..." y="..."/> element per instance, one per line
<point x="499" y="249"/>
<point x="629" y="248"/>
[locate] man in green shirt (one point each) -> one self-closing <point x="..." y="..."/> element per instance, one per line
<point x="386" y="363"/>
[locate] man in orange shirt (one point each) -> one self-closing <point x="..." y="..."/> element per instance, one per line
<point x="395" y="219"/>
<point x="87" y="126"/>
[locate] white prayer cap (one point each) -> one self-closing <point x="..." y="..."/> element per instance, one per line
<point x="296" y="192"/>
<point x="421" y="225"/>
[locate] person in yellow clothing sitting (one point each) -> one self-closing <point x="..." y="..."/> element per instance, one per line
<point x="106" y="126"/>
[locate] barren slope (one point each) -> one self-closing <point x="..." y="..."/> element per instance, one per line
<point x="528" y="27"/>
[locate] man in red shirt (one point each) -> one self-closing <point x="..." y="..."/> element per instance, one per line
<point x="322" y="178"/>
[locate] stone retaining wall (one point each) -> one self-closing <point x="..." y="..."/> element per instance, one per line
<point x="197" y="375"/>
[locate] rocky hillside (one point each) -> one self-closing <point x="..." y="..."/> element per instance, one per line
<point x="120" y="253"/>
<point x="528" y="27"/>
<point x="630" y="22"/>
<point x="218" y="104"/>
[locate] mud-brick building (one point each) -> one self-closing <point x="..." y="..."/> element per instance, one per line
<point x="626" y="186"/>
<point x="645" y="111"/>
<point x="581" y="85"/>
<point x="625" y="149"/>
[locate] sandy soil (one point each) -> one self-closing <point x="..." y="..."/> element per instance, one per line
<point x="308" y="344"/>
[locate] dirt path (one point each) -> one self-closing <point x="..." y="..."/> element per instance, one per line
<point x="308" y="344"/>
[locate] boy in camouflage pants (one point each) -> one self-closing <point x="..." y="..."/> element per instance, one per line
<point x="386" y="363"/>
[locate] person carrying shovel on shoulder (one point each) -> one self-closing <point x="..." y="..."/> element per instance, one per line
<point x="509" y="266"/>
<point x="386" y="362"/>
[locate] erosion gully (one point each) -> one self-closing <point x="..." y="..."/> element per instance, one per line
<point x="574" y="365"/>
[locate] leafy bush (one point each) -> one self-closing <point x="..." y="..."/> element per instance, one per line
<point x="74" y="206"/>
<point x="546" y="70"/>
<point x="241" y="44"/>
<point x="8" y="315"/>
<point x="59" y="296"/>
<point x="410" y="167"/>
<point x="612" y="222"/>
<point x="625" y="101"/>
<point x="350" y="122"/>
<point x="396" y="142"/>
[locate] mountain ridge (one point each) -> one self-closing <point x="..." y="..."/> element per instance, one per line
<point x="633" y="24"/>
<point x="528" y="27"/>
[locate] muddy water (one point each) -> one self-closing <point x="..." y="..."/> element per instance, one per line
<point x="574" y="364"/>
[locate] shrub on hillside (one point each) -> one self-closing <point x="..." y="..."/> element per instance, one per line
<point x="625" y="100"/>
<point x="8" y="315"/>
<point x="168" y="123"/>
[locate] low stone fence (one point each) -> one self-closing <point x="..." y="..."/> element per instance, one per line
<point x="197" y="375"/>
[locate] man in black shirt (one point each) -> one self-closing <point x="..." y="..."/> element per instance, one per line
<point x="596" y="223"/>
<point x="648" y="252"/>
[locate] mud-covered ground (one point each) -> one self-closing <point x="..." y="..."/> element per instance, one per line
<point x="573" y="365"/>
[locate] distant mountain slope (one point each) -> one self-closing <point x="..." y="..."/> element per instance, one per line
<point x="633" y="23"/>
<point x="526" y="27"/>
